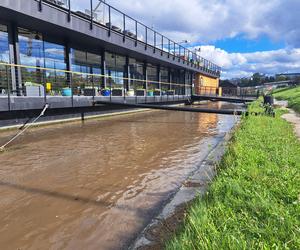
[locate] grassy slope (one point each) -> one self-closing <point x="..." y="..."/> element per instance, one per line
<point x="292" y="95"/>
<point x="254" y="201"/>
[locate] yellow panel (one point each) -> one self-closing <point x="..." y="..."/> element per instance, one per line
<point x="206" y="81"/>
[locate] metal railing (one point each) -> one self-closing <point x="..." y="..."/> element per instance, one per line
<point x="227" y="91"/>
<point x="63" y="88"/>
<point x="98" y="12"/>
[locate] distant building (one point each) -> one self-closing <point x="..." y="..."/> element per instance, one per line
<point x="227" y="84"/>
<point x="291" y="76"/>
<point x="229" y="88"/>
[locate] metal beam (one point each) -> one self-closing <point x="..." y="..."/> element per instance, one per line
<point x="222" y="98"/>
<point x="170" y="108"/>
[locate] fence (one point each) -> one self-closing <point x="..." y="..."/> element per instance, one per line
<point x="100" y="13"/>
<point x="227" y="92"/>
<point x="63" y="88"/>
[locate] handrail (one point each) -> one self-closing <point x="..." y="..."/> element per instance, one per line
<point x="87" y="74"/>
<point x="195" y="59"/>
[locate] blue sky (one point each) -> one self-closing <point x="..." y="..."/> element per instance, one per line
<point x="241" y="44"/>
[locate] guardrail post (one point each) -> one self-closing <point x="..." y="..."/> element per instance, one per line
<point x="136" y="33"/>
<point x="44" y="85"/>
<point x="8" y="87"/>
<point x="40" y="5"/>
<point x="124" y="28"/>
<point x="162" y="45"/>
<point x="146" y="38"/>
<point x="145" y="80"/>
<point x="110" y="87"/>
<point x="174" y="51"/>
<point x="71" y="87"/>
<point x="69" y="10"/>
<point x="92" y="14"/>
<point x="93" y="85"/>
<point x="154" y="41"/>
<point x="109" y="20"/>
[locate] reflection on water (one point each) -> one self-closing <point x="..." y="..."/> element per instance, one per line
<point x="96" y="185"/>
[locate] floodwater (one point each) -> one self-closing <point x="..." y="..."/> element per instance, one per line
<point x="95" y="185"/>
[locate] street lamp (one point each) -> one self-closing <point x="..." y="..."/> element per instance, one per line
<point x="183" y="42"/>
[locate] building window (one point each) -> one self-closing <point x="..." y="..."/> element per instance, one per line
<point x="31" y="54"/>
<point x="181" y="88"/>
<point x="39" y="54"/>
<point x="152" y="77"/>
<point x="55" y="61"/>
<point x="136" y="73"/>
<point x="174" y="80"/>
<point x="164" y="77"/>
<point x="188" y="82"/>
<point x="86" y="75"/>
<point x="115" y="68"/>
<point x="4" y="58"/>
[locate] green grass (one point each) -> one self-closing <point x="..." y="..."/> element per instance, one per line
<point x="254" y="201"/>
<point x="292" y="95"/>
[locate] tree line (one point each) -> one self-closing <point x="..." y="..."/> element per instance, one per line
<point x="258" y="79"/>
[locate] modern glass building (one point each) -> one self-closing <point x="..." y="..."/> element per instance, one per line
<point x="72" y="48"/>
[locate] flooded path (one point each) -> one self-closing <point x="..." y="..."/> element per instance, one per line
<point x="96" y="185"/>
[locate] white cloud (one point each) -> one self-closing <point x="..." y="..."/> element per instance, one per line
<point x="205" y="21"/>
<point x="209" y="20"/>
<point x="245" y="64"/>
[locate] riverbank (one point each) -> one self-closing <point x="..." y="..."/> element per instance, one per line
<point x="292" y="95"/>
<point x="254" y="202"/>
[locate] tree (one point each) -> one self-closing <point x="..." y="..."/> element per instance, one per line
<point x="280" y="78"/>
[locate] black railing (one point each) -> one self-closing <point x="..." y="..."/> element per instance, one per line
<point x="98" y="12"/>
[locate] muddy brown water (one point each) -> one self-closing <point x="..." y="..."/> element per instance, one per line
<point x="95" y="185"/>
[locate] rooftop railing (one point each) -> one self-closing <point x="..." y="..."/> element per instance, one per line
<point x="97" y="12"/>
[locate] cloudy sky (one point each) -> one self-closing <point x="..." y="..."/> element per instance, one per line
<point x="242" y="36"/>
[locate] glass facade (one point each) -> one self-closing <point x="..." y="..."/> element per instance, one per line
<point x="152" y="77"/>
<point x="136" y="71"/>
<point x="55" y="59"/>
<point x="181" y="87"/>
<point x="188" y="82"/>
<point x="86" y="79"/>
<point x="164" y="78"/>
<point x="46" y="70"/>
<point x="38" y="54"/>
<point x="4" y="58"/>
<point x="178" y="81"/>
<point x="115" y="70"/>
<point x="174" y="80"/>
<point x="31" y="54"/>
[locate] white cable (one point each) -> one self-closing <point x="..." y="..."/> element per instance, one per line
<point x="26" y="127"/>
